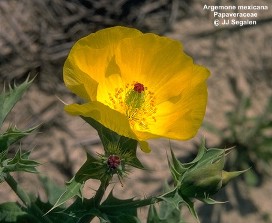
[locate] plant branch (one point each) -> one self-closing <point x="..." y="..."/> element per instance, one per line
<point x="100" y="192"/>
<point x="24" y="197"/>
<point x="18" y="190"/>
<point x="135" y="204"/>
<point x="95" y="201"/>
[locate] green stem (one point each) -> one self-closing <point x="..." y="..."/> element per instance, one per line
<point x="24" y="197"/>
<point x="18" y="190"/>
<point x="100" y="192"/>
<point x="95" y="201"/>
<point x="141" y="203"/>
<point x="135" y="204"/>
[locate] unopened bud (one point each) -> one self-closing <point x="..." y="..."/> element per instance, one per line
<point x="200" y="182"/>
<point x="204" y="176"/>
<point x="113" y="162"/>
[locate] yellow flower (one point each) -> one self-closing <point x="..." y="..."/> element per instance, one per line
<point x="141" y="86"/>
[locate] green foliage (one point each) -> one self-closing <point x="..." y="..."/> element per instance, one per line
<point x="73" y="189"/>
<point x="10" y="98"/>
<point x="21" y="160"/>
<point x="52" y="190"/>
<point x="199" y="179"/>
<point x="11" y="212"/>
<point x="12" y="135"/>
<point x="169" y="208"/>
<point x="114" y="210"/>
<point x="38" y="211"/>
<point x="164" y="215"/>
<point x="251" y="135"/>
<point x="93" y="168"/>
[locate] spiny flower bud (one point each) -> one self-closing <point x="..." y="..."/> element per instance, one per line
<point x="204" y="176"/>
<point x="201" y="182"/>
<point x="113" y="162"/>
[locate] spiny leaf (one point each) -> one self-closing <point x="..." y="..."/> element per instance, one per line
<point x="152" y="216"/>
<point x="165" y="215"/>
<point x="191" y="207"/>
<point x="201" y="152"/>
<point x="177" y="165"/>
<point x="129" y="146"/>
<point x="20" y="162"/>
<point x="117" y="210"/>
<point x="91" y="169"/>
<point x="73" y="189"/>
<point x="112" y="201"/>
<point x="9" y="99"/>
<point x="72" y="214"/>
<point x="178" y="169"/>
<point x="173" y="171"/>
<point x="10" y="212"/>
<point x="3" y="156"/>
<point x="12" y="135"/>
<point x="52" y="190"/>
<point x="209" y="200"/>
<point x="169" y="208"/>
<point x="174" y="200"/>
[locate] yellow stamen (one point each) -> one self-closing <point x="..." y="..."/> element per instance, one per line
<point x="136" y="102"/>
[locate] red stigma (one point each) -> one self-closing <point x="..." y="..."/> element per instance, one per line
<point x="139" y="87"/>
<point x="113" y="161"/>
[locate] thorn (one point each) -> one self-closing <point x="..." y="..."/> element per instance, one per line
<point x="228" y="150"/>
<point x="119" y="178"/>
<point x="61" y="100"/>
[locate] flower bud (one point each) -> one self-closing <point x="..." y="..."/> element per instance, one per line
<point x="204" y="176"/>
<point x="113" y="162"/>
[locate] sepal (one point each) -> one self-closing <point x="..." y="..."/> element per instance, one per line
<point x="125" y="146"/>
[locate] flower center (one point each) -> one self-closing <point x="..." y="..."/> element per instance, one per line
<point x="136" y="102"/>
<point x="135" y="97"/>
<point x="113" y="162"/>
<point x="139" y="87"/>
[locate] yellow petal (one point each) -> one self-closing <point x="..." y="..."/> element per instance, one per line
<point x="78" y="81"/>
<point x="107" y="117"/>
<point x="110" y="118"/>
<point x="109" y="37"/>
<point x="92" y="58"/>
<point x="181" y="116"/>
<point x="156" y="62"/>
<point x="108" y="87"/>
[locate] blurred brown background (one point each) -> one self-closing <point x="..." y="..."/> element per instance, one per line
<point x="36" y="36"/>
